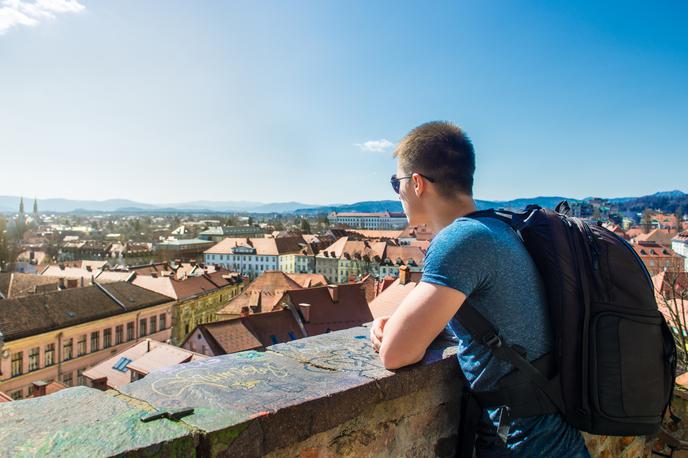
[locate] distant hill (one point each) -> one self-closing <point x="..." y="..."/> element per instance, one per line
<point x="666" y="201"/>
<point x="395" y="205"/>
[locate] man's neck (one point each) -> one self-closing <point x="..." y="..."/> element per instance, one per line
<point x="445" y="211"/>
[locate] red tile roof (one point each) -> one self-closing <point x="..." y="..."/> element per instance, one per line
<point x="350" y="309"/>
<point x="660" y="236"/>
<point x="263" y="246"/>
<point x="264" y="293"/>
<point x="145" y="356"/>
<point x="260" y="330"/>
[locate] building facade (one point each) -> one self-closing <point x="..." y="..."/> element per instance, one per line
<point x="382" y="220"/>
<point x="83" y="327"/>
<point x="680" y="245"/>
<point x="254" y="256"/>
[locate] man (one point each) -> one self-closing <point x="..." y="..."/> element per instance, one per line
<point x="479" y="261"/>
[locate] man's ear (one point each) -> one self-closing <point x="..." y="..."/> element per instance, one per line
<point x="418" y="184"/>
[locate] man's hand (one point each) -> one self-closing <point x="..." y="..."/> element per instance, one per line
<point x="376" y="331"/>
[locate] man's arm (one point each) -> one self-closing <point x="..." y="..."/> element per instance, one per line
<point x="417" y="321"/>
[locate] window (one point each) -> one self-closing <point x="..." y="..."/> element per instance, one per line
<point x="17" y="363"/>
<point x="153" y="324"/>
<point x="17" y="395"/>
<point x="292" y="336"/>
<point x="33" y="358"/>
<point x="67" y="350"/>
<point x="142" y="327"/>
<point x="163" y="321"/>
<point x="49" y="355"/>
<point x="121" y="364"/>
<point x="80" y="376"/>
<point x="81" y="346"/>
<point x="119" y="334"/>
<point x="67" y="379"/>
<point x="95" y="341"/>
<point x="107" y="338"/>
<point x="130" y="330"/>
<point x="274" y="339"/>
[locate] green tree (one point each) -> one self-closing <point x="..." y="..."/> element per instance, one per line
<point x="305" y="226"/>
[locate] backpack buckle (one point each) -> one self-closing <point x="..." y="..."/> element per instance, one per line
<point x="492" y="341"/>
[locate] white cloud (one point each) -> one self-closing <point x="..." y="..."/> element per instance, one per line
<point x="376" y="146"/>
<point x="20" y="12"/>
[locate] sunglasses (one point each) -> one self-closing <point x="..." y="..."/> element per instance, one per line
<point x="396" y="182"/>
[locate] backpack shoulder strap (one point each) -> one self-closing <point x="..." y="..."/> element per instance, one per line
<point x="516" y="221"/>
<point x="484" y="331"/>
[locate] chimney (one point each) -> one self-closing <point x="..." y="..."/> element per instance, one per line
<point x="81" y="281"/>
<point x="305" y="312"/>
<point x="334" y="292"/>
<point x="39" y="388"/>
<point x="62" y="266"/>
<point x="404" y="275"/>
<point x="244" y="311"/>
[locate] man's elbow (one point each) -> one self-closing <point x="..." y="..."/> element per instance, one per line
<point x="394" y="359"/>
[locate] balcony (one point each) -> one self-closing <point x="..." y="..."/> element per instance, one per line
<point x="326" y="395"/>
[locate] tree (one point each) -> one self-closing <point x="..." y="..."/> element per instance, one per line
<point x="305" y="226"/>
<point x="4" y="250"/>
<point x="673" y="295"/>
<point x="646" y="220"/>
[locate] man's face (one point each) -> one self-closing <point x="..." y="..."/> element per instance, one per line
<point x="410" y="201"/>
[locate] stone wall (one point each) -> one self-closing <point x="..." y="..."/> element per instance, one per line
<point x="322" y="396"/>
<point x="326" y="395"/>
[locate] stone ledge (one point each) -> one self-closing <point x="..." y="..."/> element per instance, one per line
<point x="246" y="404"/>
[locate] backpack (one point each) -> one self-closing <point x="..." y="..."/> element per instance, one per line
<point x="613" y="365"/>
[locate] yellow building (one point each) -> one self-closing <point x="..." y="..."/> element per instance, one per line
<point x="198" y="298"/>
<point x="56" y="336"/>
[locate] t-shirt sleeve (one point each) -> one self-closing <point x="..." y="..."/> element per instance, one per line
<point x="462" y="257"/>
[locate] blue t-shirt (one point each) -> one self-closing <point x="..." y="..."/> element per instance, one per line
<point x="485" y="260"/>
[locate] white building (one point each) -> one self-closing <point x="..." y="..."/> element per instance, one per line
<point x="383" y="220"/>
<point x="253" y="256"/>
<point x="680" y="245"/>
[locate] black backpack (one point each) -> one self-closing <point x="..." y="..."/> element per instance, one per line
<point x="613" y="366"/>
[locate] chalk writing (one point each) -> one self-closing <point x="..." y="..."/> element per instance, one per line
<point x="230" y="379"/>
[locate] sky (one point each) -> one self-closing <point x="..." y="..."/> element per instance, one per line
<point x="273" y="101"/>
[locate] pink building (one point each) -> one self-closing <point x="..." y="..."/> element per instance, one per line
<point x="56" y="336"/>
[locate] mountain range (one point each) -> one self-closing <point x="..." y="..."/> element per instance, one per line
<point x="668" y="201"/>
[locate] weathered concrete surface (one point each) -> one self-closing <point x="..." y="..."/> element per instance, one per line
<point x="228" y="390"/>
<point x="330" y="388"/>
<point x="84" y="422"/>
<point x="251" y="403"/>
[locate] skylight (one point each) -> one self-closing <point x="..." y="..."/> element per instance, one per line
<point x="122" y="364"/>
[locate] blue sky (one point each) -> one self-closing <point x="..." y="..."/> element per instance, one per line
<point x="276" y="100"/>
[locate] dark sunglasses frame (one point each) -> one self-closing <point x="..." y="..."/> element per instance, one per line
<point x="396" y="181"/>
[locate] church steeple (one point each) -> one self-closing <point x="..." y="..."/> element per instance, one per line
<point x="35" y="208"/>
<point x="21" y="206"/>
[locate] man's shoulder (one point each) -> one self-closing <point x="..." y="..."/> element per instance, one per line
<point x="464" y="230"/>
